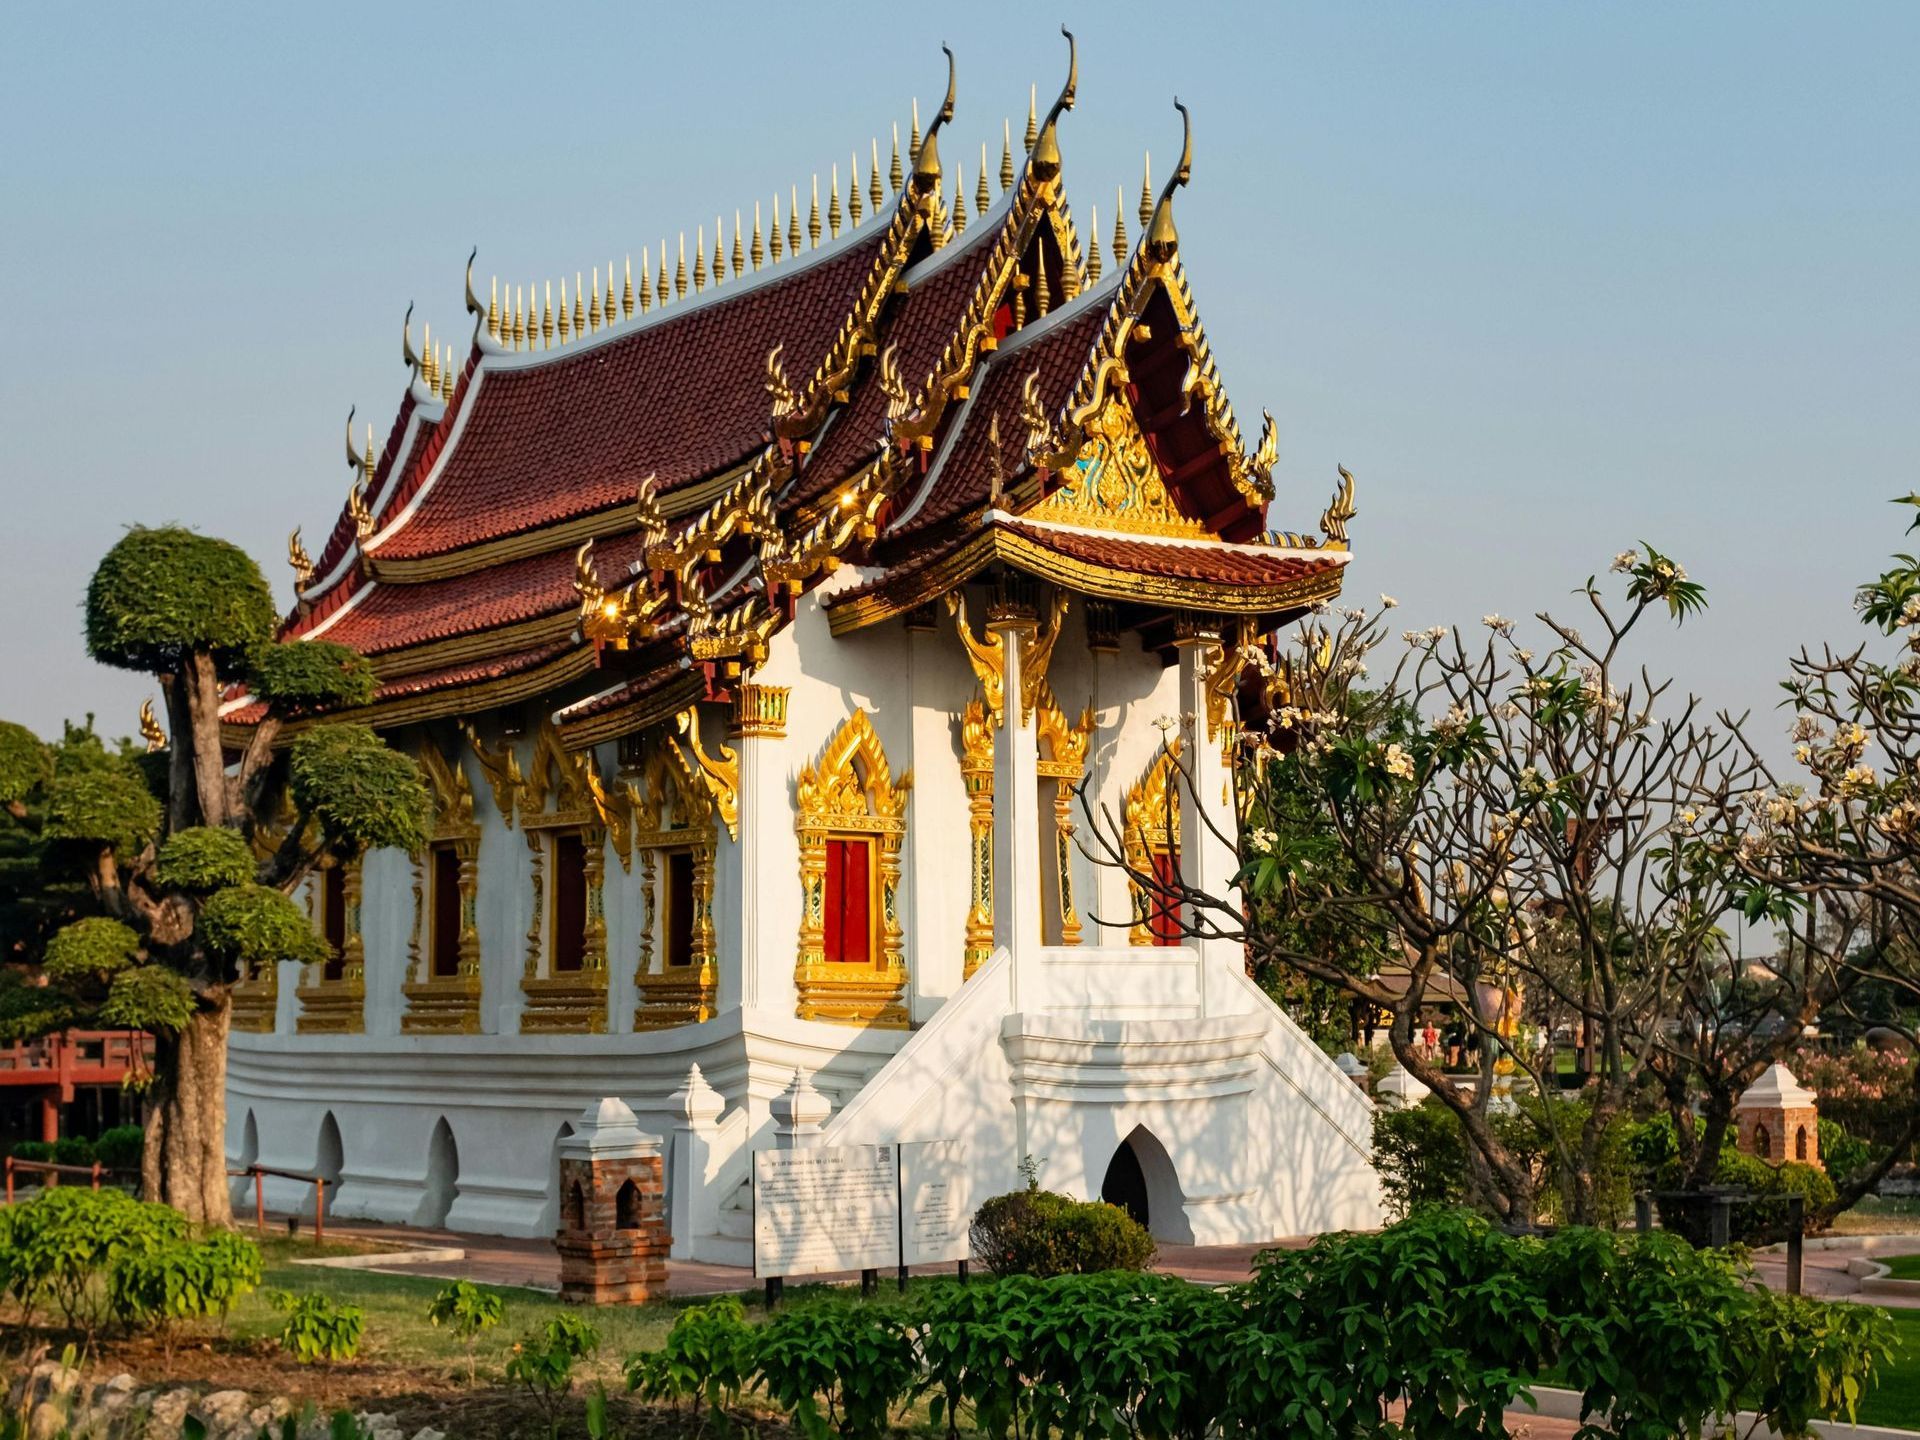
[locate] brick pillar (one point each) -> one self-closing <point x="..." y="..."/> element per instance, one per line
<point x="1778" y="1119"/>
<point x="613" y="1239"/>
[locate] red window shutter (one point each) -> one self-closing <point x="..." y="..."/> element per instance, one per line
<point x="836" y="889"/>
<point x="1164" y="917"/>
<point x="569" y="904"/>
<point x="857" y="926"/>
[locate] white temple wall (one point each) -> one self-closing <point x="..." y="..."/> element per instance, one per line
<point x="386" y="934"/>
<point x="503" y="904"/>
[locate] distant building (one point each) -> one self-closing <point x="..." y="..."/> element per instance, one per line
<point x="755" y="619"/>
<point x="70" y="1084"/>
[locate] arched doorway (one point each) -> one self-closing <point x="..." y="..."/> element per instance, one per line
<point x="330" y="1156"/>
<point x="443" y="1177"/>
<point x="551" y="1215"/>
<point x="1141" y="1180"/>
<point x="1126" y="1185"/>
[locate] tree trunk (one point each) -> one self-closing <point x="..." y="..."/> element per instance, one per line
<point x="184" y="1163"/>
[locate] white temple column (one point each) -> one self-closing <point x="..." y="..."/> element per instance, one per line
<point x="1209" y="854"/>
<point x="799" y="1114"/>
<point x="1016" y="803"/>
<point x="756" y="924"/>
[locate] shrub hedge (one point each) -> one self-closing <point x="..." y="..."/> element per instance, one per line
<point x="1039" y="1232"/>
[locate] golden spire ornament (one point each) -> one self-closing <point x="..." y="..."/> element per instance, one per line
<point x="593" y="305"/>
<point x="1006" y="156"/>
<point x="913" y="138"/>
<point x="982" y="197"/>
<point x="1119" y="227"/>
<point x="959" y="200"/>
<point x="874" y="192"/>
<point x="566" y="317"/>
<point x="493" y="309"/>
<point x="833" y="204"/>
<point x="546" y="318"/>
<point x="777" y="246"/>
<point x="719" y="251"/>
<point x="680" y="270"/>
<point x="1146" y="192"/>
<point x="646" y="280"/>
<point x="626" y="293"/>
<point x="610" y="294"/>
<point x="1033" y="124"/>
<point x="759" y="251"/>
<point x="1093" y="245"/>
<point x="579" y="307"/>
<point x="895" y="176"/>
<point x="661" y="292"/>
<point x="813" y="215"/>
<point x="699" y="258"/>
<point x="150" y="730"/>
<point x="739" y="247"/>
<point x="793" y="218"/>
<point x="301" y="562"/>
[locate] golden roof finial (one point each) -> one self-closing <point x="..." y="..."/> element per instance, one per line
<point x="546" y="319"/>
<point x="759" y="252"/>
<point x="1162" y="238"/>
<point x="301" y="562"/>
<point x="856" y="212"/>
<point x="519" y="317"/>
<point x="982" y="197"/>
<point x="150" y="730"/>
<point x="1146" y="192"/>
<point x="660" y="290"/>
<point x="913" y="135"/>
<point x="579" y="306"/>
<point x="566" y="316"/>
<point x="959" y="199"/>
<point x="626" y="292"/>
<point x="1333" y="520"/>
<point x="594" y="313"/>
<point x="719" y="251"/>
<point x="1006" y="156"/>
<point x="739" y="247"/>
<point x="680" y="270"/>
<point x="1033" y="130"/>
<point x="926" y="163"/>
<point x="874" y="192"/>
<point x="473" y="300"/>
<point x="653" y="520"/>
<point x="1119" y="227"/>
<point x="586" y="578"/>
<point x="493" y="309"/>
<point x="793" y="220"/>
<point x="1044" y="149"/>
<point x="813" y="215"/>
<point x="777" y="244"/>
<point x="450" y="371"/>
<point x="429" y="370"/>
<point x="833" y="204"/>
<point x="895" y="176"/>
<point x="611" y="296"/>
<point x="699" y="258"/>
<point x="1093" y="245"/>
<point x="646" y="280"/>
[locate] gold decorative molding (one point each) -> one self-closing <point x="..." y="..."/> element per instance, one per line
<point x="445" y="1003"/>
<point x="561" y="794"/>
<point x="150" y="731"/>
<point x="1036" y="653"/>
<point x="720" y="773"/>
<point x="1223" y="681"/>
<point x="1151" y="826"/>
<point x="1340" y="510"/>
<point x="976" y="774"/>
<point x="338" y="1006"/>
<point x="501" y="767"/>
<point x="674" y="811"/>
<point x="255" y="1002"/>
<point x="1065" y="744"/>
<point x="850" y="789"/>
<point x="758" y="710"/>
<point x="987" y="657"/>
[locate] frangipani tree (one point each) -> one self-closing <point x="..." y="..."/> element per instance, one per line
<point x="170" y="844"/>
<point x="1474" y="824"/>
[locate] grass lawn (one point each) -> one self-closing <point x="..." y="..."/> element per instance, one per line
<point x="1896" y="1399"/>
<point x="1903" y="1267"/>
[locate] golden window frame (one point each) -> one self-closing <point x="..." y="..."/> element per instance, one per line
<point x="335" y="1007"/>
<point x="1150" y="826"/>
<point x="573" y="1002"/>
<point x="445" y="1003"/>
<point x="673" y="810"/>
<point x="851" y="790"/>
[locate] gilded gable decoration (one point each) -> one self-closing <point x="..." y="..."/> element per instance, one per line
<point x="849" y="790"/>
<point x="1116" y="484"/>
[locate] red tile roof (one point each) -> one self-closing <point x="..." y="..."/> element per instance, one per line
<point x="496" y="667"/>
<point x="962" y="478"/>
<point x="1198" y="560"/>
<point x="680" y="396"/>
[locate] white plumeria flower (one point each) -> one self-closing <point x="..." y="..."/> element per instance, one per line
<point x="1387" y="602"/>
<point x="1625" y="561"/>
<point x="1497" y="623"/>
<point x="1398" y="762"/>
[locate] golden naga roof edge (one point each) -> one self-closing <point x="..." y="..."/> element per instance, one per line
<point x="995" y="543"/>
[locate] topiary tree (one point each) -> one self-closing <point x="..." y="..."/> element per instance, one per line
<point x="182" y="893"/>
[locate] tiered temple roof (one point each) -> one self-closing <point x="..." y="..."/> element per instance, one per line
<point x="633" y="514"/>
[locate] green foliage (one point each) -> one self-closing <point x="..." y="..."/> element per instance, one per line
<point x="365" y="794"/>
<point x="36" y="1150"/>
<point x="319" y="1328"/>
<point x="1762" y="1218"/>
<point x="73" y="1150"/>
<point x="185" y="1280"/>
<point x="25" y="763"/>
<point x="254" y="926"/>
<point x="94" y="948"/>
<point x="543" y="1360"/>
<point x="162" y="594"/>
<point x="1038" y="1232"/>
<point x="63" y="1243"/>
<point x="203" y="859"/>
<point x="1809" y="1361"/>
<point x="120" y="1148"/>
<point x="1420" y="1154"/>
<point x="469" y="1312"/>
<point x="107" y="803"/>
<point x="149" y="997"/>
<point x="28" y="1009"/>
<point x="837" y="1369"/>
<point x="708" y="1356"/>
<point x="1843" y="1152"/>
<point x="310" y="675"/>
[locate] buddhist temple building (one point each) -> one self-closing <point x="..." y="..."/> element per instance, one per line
<point x="760" y="613"/>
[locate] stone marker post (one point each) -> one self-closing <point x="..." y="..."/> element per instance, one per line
<point x="613" y="1239"/>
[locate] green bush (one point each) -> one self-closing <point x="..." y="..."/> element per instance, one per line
<point x="205" y="858"/>
<point x="1759" y="1219"/>
<point x="62" y="1245"/>
<point x="469" y="1312"/>
<point x="184" y="1280"/>
<point x="120" y="1148"/>
<point x="1844" y="1153"/>
<point x="837" y="1368"/>
<point x="1420" y="1154"/>
<point x="707" y="1357"/>
<point x="1039" y="1232"/>
<point x="39" y="1151"/>
<point x="73" y="1150"/>
<point x="319" y="1328"/>
<point x="543" y="1360"/>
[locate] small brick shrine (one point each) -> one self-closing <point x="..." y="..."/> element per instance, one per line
<point x="613" y="1238"/>
<point x="1779" y="1120"/>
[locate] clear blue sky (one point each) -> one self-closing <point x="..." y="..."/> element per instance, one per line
<point x="1548" y="278"/>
